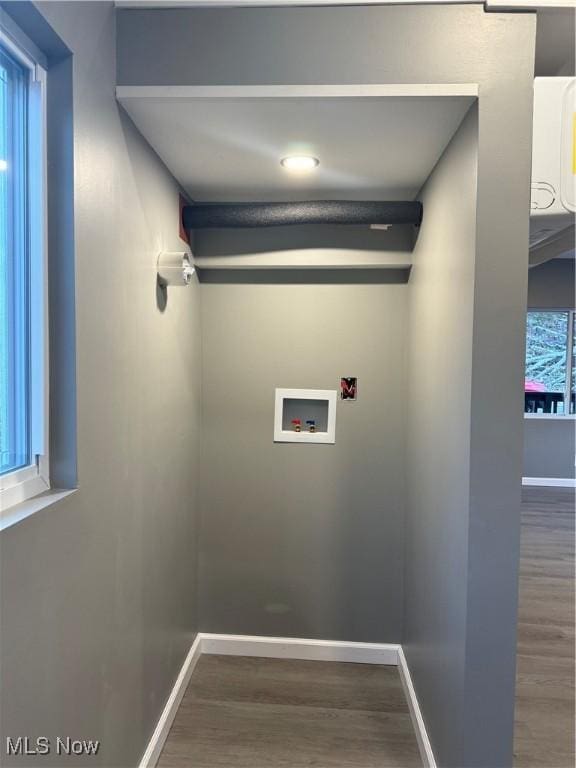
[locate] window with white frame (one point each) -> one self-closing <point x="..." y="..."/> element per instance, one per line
<point x="24" y="465"/>
<point x="550" y="377"/>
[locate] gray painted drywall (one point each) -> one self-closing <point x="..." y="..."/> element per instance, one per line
<point x="549" y="448"/>
<point x="211" y="46"/>
<point x="549" y="444"/>
<point x="416" y="44"/>
<point x="98" y="591"/>
<point x="302" y="540"/>
<point x="441" y="310"/>
<point x="551" y="285"/>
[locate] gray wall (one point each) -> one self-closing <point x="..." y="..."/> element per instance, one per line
<point x="464" y="455"/>
<point x="98" y="591"/>
<point x="551" y="285"/>
<point x="549" y="444"/>
<point x="441" y="312"/>
<point x="393" y="45"/>
<point x="340" y="45"/>
<point x="302" y="540"/>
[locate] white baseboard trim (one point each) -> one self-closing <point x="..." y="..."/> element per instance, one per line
<point x="154" y="748"/>
<point x="288" y="648"/>
<point x="551" y="482"/>
<point x="298" y="648"/>
<point x="428" y="760"/>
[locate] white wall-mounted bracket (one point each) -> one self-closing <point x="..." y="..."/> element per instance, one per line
<point x="175" y="268"/>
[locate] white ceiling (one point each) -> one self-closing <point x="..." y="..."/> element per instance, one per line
<point x="229" y="148"/>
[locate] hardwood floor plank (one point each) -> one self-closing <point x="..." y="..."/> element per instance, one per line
<point x="225" y="734"/>
<point x="544" y="727"/>
<point x="276" y="713"/>
<point x="306" y="684"/>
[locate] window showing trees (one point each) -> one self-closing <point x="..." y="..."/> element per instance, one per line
<point x="549" y="386"/>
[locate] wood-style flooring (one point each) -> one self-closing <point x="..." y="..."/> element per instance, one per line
<point x="268" y="713"/>
<point x="544" y="733"/>
<point x="273" y="713"/>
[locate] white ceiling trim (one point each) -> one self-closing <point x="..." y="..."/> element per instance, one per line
<point x="139" y="4"/>
<point x="528" y="5"/>
<point x="124" y="92"/>
<point x="496" y="5"/>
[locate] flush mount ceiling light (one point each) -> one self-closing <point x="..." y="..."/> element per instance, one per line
<point x="300" y="163"/>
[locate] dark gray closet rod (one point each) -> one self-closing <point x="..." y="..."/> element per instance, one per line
<point x="234" y="215"/>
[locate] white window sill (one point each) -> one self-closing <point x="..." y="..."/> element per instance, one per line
<point x="24" y="509"/>
<point x="551" y="416"/>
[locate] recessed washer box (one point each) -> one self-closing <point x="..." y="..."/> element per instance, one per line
<point x="318" y="405"/>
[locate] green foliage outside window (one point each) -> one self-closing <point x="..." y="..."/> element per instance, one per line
<point x="546" y="348"/>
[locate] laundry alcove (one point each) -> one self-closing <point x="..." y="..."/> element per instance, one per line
<point x="294" y="307"/>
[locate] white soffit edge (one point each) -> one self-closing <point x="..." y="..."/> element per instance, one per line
<point x="277" y="3"/>
<point x="496" y="5"/>
<point x="528" y="5"/>
<point x="239" y="134"/>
